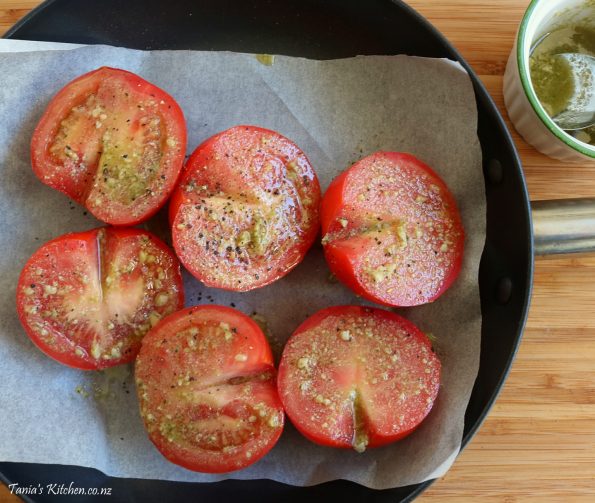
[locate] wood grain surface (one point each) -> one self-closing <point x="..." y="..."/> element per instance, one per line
<point x="538" y="443"/>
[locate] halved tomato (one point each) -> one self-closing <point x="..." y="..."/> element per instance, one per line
<point x="392" y="231"/>
<point x="87" y="299"/>
<point x="207" y="392"/>
<point x="114" y="143"/>
<point x="246" y="210"/>
<point x="358" y="377"/>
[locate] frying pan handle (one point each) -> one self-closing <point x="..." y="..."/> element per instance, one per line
<point x="563" y="226"/>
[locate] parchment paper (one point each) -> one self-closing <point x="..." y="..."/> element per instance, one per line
<point x="337" y="112"/>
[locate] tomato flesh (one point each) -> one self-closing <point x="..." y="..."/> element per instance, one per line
<point x="114" y="143"/>
<point x="87" y="299"/>
<point x="392" y="231"/>
<point x="246" y="210"/>
<point x="357" y="377"/>
<point x="207" y="392"/>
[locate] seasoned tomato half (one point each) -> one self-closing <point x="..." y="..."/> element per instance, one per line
<point x="207" y="391"/>
<point x="246" y="210"/>
<point x="392" y="231"/>
<point x="114" y="143"/>
<point x="87" y="299"/>
<point x="357" y="377"/>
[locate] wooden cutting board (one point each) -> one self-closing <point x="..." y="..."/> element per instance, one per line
<point x="538" y="443"/>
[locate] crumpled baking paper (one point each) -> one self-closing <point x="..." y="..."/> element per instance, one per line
<point x="337" y="111"/>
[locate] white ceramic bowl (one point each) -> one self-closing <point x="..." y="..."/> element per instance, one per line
<point x="526" y="113"/>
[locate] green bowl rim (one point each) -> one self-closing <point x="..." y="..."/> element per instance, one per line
<point x="532" y="97"/>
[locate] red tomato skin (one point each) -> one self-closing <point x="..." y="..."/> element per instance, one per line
<point x="64" y="101"/>
<point x="341" y="260"/>
<point x="196" y="160"/>
<point x="68" y="360"/>
<point x="72" y="360"/>
<point x="317" y="436"/>
<point x="223" y="467"/>
<point x="374" y="440"/>
<point x="260" y="360"/>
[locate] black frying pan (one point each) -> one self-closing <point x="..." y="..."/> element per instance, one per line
<point x="318" y="29"/>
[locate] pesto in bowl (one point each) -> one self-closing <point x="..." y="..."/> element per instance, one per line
<point x="552" y="77"/>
